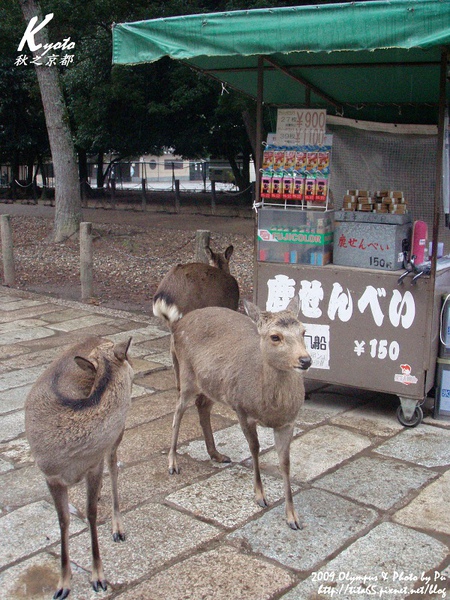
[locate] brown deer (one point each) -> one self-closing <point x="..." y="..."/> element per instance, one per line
<point x="196" y="285"/>
<point x="74" y="418"/>
<point x="256" y="366"/>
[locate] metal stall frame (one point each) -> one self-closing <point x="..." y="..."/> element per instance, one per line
<point x="320" y="56"/>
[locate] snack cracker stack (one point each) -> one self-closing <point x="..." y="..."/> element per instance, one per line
<point x="382" y="201"/>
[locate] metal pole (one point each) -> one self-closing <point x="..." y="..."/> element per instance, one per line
<point x="439" y="160"/>
<point x="259" y="126"/>
<point x="143" y="196"/>
<point x="213" y="197"/>
<point x="177" y="196"/>
<point x="258" y="166"/>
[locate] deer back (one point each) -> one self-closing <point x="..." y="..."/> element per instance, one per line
<point x="73" y="414"/>
<point x="187" y="287"/>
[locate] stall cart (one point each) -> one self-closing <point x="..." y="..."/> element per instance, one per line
<point x="378" y="61"/>
<point x="364" y="328"/>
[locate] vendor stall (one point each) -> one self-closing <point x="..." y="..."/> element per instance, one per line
<point x="370" y="298"/>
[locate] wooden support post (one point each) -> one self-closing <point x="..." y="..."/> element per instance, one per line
<point x="177" y="196"/>
<point x="213" y="197"/>
<point x="86" y="269"/>
<point x="201" y="241"/>
<point x="9" y="273"/>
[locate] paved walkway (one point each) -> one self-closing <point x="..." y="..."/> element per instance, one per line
<point x="374" y="497"/>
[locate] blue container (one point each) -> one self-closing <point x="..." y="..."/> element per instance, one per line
<point x="442" y="400"/>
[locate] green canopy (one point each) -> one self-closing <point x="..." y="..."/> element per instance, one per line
<point x="375" y="60"/>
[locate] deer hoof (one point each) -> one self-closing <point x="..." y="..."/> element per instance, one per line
<point x="220" y="458"/>
<point x="99" y="584"/>
<point x="262" y="502"/>
<point x="295" y="525"/>
<point x="174" y="470"/>
<point x="61" y="594"/>
<point x="119" y="536"/>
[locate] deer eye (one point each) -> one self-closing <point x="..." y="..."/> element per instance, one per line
<point x="275" y="338"/>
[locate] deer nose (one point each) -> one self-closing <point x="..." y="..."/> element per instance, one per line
<point x="305" y="362"/>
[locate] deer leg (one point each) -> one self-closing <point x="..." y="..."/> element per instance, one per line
<point x="204" y="406"/>
<point x="249" y="428"/>
<point x="183" y="402"/>
<point x="178" y="415"/>
<point x="283" y="437"/>
<point x="117" y="525"/>
<point x="61" y="500"/>
<point x="176" y="364"/>
<point x="93" y="484"/>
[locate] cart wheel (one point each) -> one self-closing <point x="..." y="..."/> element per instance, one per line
<point x="415" y="420"/>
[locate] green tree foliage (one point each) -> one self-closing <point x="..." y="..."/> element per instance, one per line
<point x="123" y="110"/>
<point x="23" y="135"/>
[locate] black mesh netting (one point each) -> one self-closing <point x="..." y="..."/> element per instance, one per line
<point x="373" y="161"/>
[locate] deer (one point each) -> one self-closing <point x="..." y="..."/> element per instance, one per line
<point x="75" y="418"/>
<point x="254" y="365"/>
<point x="190" y="286"/>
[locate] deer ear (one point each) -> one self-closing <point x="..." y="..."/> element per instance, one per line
<point x="85" y="364"/>
<point x="121" y="350"/>
<point x="252" y="310"/>
<point x="229" y="252"/>
<point x="294" y="305"/>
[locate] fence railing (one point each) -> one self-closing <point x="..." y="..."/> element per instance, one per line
<point x="128" y="174"/>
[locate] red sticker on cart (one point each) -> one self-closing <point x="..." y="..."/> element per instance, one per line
<point x="405" y="377"/>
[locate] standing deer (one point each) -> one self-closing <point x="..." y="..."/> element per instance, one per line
<point x="255" y="365"/>
<point x="197" y="285"/>
<point x="74" y="418"/>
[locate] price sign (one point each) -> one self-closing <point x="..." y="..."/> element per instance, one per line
<point x="301" y="127"/>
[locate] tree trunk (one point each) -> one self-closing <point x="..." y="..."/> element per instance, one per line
<point x="100" y="174"/>
<point x="241" y="181"/>
<point x="250" y="126"/>
<point x="246" y="166"/>
<point x="67" y="188"/>
<point x="83" y="174"/>
<point x="30" y="170"/>
<point x="14" y="174"/>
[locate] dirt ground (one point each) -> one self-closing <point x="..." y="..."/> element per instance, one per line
<point x="132" y="249"/>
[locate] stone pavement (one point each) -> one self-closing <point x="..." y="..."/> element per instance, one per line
<point x="373" y="496"/>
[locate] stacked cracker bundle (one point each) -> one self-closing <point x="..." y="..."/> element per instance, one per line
<point x="383" y="201"/>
